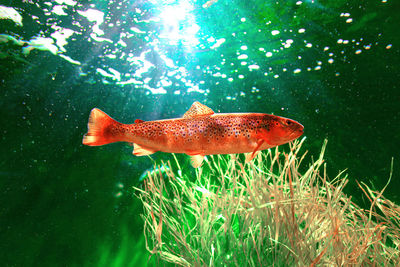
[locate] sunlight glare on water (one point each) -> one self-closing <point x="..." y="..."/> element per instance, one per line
<point x="164" y="46"/>
<point x="179" y="24"/>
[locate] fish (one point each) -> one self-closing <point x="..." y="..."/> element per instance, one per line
<point x="198" y="133"/>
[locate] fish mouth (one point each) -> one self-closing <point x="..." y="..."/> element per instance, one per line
<point x="297" y="132"/>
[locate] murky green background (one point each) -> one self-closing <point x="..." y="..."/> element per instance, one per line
<point x="331" y="65"/>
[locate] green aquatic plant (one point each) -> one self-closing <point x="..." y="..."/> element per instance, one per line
<point x="265" y="213"/>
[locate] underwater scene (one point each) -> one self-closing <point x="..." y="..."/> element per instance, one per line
<point x="200" y="133"/>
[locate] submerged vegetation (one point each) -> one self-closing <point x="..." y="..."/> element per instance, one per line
<point x="265" y="213"/>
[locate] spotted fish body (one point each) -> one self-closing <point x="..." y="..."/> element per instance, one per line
<point x="200" y="132"/>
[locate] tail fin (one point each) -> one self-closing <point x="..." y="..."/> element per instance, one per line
<point x="101" y="129"/>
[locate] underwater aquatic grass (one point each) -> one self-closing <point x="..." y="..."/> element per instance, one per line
<point x="265" y="213"/>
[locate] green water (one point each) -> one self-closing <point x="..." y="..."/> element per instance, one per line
<point x="331" y="65"/>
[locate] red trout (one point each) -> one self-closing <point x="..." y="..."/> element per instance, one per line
<point x="198" y="133"/>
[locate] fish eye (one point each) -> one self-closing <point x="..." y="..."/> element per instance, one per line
<point x="288" y="122"/>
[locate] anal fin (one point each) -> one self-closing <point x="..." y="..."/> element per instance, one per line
<point x="139" y="150"/>
<point x="196" y="160"/>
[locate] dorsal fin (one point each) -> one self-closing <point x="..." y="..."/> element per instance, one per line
<point x="138" y="121"/>
<point x="198" y="110"/>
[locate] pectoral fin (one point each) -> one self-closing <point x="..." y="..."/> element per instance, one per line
<point x="264" y="135"/>
<point x="251" y="156"/>
<point x="139" y="150"/>
<point x="196" y="160"/>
